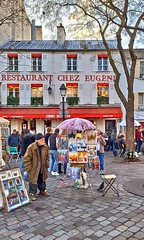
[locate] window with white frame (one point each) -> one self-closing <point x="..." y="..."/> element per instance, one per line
<point x="36" y="62"/>
<point x="71" y="62"/>
<point x="102" y="62"/>
<point x="72" y="89"/>
<point x="36" y="90"/>
<point x="102" y="89"/>
<point x="13" y="90"/>
<point x="12" y="62"/>
<point x="140" y="99"/>
<point x="142" y="69"/>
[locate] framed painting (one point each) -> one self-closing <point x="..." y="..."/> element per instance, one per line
<point x="13" y="189"/>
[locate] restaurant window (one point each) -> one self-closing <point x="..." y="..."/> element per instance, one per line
<point x="36" y="62"/>
<point x="37" y="90"/>
<point x="102" y="62"/>
<point x="12" y="62"/>
<point x="71" y="62"/>
<point x="103" y="89"/>
<point x="13" y="90"/>
<point x="142" y="69"/>
<point x="72" y="90"/>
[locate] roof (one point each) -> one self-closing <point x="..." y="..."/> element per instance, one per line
<point x="55" y="45"/>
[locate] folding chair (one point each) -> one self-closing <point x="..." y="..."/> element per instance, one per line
<point x="14" y="154"/>
<point x="109" y="181"/>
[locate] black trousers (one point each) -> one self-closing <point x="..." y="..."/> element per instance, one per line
<point x="40" y="185"/>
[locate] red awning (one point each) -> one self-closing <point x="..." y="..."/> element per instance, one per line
<point x="71" y="55"/>
<point x="53" y="113"/>
<point x="12" y="55"/>
<point x="102" y="84"/>
<point x="103" y="55"/>
<point x="71" y="84"/>
<point x="36" y="55"/>
<point x="12" y="85"/>
<point x="36" y="85"/>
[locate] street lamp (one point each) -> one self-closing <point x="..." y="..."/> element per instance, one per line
<point x="49" y="90"/>
<point x="63" y="90"/>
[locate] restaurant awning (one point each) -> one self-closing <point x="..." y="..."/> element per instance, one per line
<point x="53" y="113"/>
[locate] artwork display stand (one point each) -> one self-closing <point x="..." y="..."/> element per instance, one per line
<point x="76" y="152"/>
<point x="13" y="193"/>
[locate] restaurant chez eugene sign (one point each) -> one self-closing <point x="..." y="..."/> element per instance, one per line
<point x="45" y="77"/>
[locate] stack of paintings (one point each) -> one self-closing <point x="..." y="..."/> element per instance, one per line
<point x="13" y="189"/>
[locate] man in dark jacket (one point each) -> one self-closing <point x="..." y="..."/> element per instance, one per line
<point x="36" y="161"/>
<point x="14" y="139"/>
<point x="28" y="138"/>
<point x="52" y="143"/>
<point x="48" y="134"/>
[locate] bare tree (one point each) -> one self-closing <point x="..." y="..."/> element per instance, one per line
<point x="115" y="19"/>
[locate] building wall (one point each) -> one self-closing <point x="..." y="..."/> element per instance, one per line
<point x="18" y="25"/>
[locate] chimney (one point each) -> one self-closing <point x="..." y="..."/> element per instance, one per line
<point x="61" y="34"/>
<point x="33" y="31"/>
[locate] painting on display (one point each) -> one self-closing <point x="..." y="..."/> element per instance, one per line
<point x="73" y="172"/>
<point x="63" y="156"/>
<point x="72" y="146"/>
<point x="13" y="189"/>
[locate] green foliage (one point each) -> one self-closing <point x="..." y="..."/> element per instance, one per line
<point x="102" y="100"/>
<point x="71" y="101"/>
<point x="14" y="101"/>
<point x="36" y="101"/>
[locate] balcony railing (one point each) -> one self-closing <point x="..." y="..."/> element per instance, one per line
<point x="14" y="101"/>
<point x="36" y="101"/>
<point x="71" y="101"/>
<point x="102" y="100"/>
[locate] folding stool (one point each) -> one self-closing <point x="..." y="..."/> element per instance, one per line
<point x="109" y="181"/>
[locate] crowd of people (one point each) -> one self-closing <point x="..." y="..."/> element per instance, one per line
<point x="39" y="155"/>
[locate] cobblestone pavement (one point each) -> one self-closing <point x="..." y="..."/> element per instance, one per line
<point x="76" y="214"/>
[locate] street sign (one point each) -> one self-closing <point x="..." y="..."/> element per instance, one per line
<point x="61" y="113"/>
<point x="65" y="105"/>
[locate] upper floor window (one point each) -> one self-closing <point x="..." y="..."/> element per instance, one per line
<point x="36" y="62"/>
<point x="142" y="69"/>
<point x="37" y="90"/>
<point x="103" y="89"/>
<point x="102" y="62"/>
<point x="12" y="62"/>
<point x="72" y="89"/>
<point x="71" y="62"/>
<point x="13" y="90"/>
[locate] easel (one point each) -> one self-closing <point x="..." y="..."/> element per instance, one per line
<point x="82" y="167"/>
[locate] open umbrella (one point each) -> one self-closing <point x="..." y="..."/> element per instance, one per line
<point x="79" y="124"/>
<point x="123" y="123"/>
<point x="3" y="120"/>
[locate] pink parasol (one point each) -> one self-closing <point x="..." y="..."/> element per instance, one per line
<point x="79" y="124"/>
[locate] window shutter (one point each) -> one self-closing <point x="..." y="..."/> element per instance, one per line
<point x="94" y="63"/>
<point x="80" y="62"/>
<point x="27" y="62"/>
<point x="21" y="63"/>
<point x="44" y="62"/>
<point x="3" y="63"/>
<point x="63" y="62"/>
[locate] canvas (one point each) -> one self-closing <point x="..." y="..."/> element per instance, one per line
<point x="13" y="189"/>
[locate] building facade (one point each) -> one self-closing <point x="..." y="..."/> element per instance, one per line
<point x="28" y="68"/>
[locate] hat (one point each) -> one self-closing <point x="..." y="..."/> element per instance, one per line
<point x="39" y="136"/>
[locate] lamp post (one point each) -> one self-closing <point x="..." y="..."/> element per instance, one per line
<point x="63" y="90"/>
